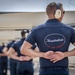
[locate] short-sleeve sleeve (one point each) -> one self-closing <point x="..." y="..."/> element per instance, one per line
<point x="31" y="38"/>
<point x="8" y="46"/>
<point x="73" y="36"/>
<point x="14" y="46"/>
<point x="0" y="50"/>
<point x="34" y="46"/>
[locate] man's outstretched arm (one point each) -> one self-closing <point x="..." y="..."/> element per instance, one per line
<point x="26" y="50"/>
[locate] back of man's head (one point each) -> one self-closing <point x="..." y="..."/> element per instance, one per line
<point x="23" y="33"/>
<point x="3" y="44"/>
<point x="55" y="9"/>
<point x="51" y="7"/>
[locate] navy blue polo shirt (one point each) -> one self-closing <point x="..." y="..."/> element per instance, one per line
<point x="22" y="64"/>
<point x="17" y="45"/>
<point x="1" y="48"/>
<point x="8" y="46"/>
<point x="0" y="52"/>
<point x="3" y="58"/>
<point x="52" y="36"/>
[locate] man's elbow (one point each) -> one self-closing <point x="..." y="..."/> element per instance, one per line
<point x="22" y="50"/>
<point x="8" y="54"/>
<point x="5" y="52"/>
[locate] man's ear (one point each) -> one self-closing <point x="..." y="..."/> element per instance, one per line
<point x="74" y="44"/>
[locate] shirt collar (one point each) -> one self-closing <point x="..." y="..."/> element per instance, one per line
<point x="52" y="22"/>
<point x="23" y="39"/>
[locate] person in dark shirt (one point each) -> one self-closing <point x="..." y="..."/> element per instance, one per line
<point x="51" y="37"/>
<point x="6" y="48"/>
<point x="4" y="61"/>
<point x="12" y="62"/>
<point x="25" y="64"/>
<point x="1" y="49"/>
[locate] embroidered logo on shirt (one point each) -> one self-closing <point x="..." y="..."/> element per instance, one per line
<point x="54" y="40"/>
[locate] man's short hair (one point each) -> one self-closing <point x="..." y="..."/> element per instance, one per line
<point x="51" y="7"/>
<point x="23" y="32"/>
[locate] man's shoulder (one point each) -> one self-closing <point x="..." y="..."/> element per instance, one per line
<point x="17" y="42"/>
<point x="66" y="26"/>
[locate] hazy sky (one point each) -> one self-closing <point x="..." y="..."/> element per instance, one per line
<point x="32" y="5"/>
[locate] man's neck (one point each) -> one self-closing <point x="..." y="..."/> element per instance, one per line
<point x="23" y="37"/>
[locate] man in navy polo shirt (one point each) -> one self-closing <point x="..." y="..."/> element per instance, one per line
<point x="50" y="37"/>
<point x="0" y="62"/>
<point x="12" y="62"/>
<point x="3" y="61"/>
<point x="25" y="65"/>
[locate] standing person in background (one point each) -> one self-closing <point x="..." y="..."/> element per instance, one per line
<point x="56" y="37"/>
<point x="4" y="61"/>
<point x="25" y="64"/>
<point x="12" y="62"/>
<point x="0" y="62"/>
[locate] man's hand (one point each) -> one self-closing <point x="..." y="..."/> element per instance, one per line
<point x="48" y="54"/>
<point x="27" y="58"/>
<point x="24" y="58"/>
<point x="21" y="58"/>
<point x="57" y="56"/>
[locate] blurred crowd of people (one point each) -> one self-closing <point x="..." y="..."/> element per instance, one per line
<point x="12" y="59"/>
